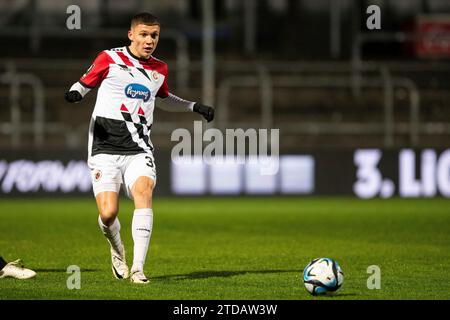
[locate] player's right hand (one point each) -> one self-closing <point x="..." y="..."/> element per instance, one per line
<point x="73" y="96"/>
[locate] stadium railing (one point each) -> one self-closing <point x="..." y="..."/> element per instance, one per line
<point x="267" y="84"/>
<point x="15" y="126"/>
<point x="268" y="77"/>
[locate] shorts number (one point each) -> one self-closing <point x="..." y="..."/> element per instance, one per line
<point x="150" y="161"/>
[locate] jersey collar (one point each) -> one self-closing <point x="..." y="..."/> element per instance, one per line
<point x="135" y="57"/>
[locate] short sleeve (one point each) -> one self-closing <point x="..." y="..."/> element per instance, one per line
<point x="97" y="71"/>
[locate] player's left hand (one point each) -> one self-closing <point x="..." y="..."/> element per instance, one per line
<point x="206" y="111"/>
<point x="73" y="96"/>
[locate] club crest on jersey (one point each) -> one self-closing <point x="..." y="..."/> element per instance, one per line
<point x="137" y="91"/>
<point x="155" y="75"/>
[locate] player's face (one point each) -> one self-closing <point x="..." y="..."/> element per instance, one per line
<point x="144" y="40"/>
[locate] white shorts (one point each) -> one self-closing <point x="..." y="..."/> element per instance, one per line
<point x="109" y="172"/>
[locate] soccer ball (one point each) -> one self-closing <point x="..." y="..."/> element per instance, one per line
<point x="322" y="276"/>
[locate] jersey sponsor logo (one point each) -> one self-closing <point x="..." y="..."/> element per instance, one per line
<point x="137" y="91"/>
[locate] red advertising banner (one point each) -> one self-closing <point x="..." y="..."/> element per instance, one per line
<point x="434" y="36"/>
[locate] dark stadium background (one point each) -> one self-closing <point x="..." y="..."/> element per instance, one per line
<point x="361" y="113"/>
<point x="312" y="69"/>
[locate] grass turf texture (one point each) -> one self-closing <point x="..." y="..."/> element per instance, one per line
<point x="223" y="248"/>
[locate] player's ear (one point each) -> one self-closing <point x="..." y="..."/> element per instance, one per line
<point x="130" y="35"/>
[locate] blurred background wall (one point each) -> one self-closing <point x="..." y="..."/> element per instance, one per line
<point x="311" y="68"/>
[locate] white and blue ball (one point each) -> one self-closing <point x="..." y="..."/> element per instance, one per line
<point x="323" y="276"/>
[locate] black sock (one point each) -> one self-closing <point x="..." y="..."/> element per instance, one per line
<point x="2" y="263"/>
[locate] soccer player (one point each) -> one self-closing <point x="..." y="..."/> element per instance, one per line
<point x="120" y="151"/>
<point x="15" y="269"/>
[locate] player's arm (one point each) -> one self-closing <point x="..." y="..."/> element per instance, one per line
<point x="92" y="78"/>
<point x="173" y="103"/>
<point x="170" y="102"/>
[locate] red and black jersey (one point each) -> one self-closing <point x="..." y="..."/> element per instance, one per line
<point x="123" y="113"/>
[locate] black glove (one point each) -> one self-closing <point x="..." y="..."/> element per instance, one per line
<point x="73" y="96"/>
<point x="205" y="111"/>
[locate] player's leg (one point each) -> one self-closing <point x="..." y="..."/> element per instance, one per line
<point x="142" y="223"/>
<point x="106" y="181"/>
<point x="140" y="179"/>
<point x="108" y="207"/>
<point x="142" y="192"/>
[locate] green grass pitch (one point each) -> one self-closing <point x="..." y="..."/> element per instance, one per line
<point x="233" y="248"/>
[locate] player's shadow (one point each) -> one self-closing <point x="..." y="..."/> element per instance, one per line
<point x="221" y="274"/>
<point x="64" y="270"/>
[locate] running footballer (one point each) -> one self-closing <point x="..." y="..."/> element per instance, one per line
<point x="120" y="152"/>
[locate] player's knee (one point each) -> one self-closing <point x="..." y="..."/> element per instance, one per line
<point x="108" y="219"/>
<point x="108" y="214"/>
<point x="143" y="193"/>
<point x="143" y="188"/>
